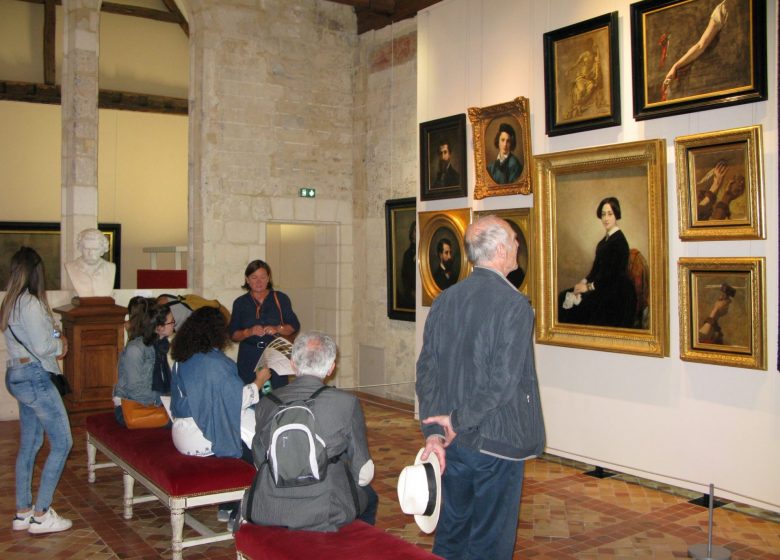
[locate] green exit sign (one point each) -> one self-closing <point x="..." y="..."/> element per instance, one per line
<point x="307" y="193"/>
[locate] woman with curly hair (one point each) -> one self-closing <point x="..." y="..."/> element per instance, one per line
<point x="209" y="402"/>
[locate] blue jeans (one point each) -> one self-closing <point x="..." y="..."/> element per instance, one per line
<point x="40" y="410"/>
<point x="480" y="506"/>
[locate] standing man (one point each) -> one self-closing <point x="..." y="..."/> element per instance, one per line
<point x="444" y="276"/>
<point x="446" y="175"/>
<point x="479" y="398"/>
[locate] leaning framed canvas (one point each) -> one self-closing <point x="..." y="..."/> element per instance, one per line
<point x="722" y="311"/>
<point x="401" y="236"/>
<point x="691" y="55"/>
<point x="502" y="148"/>
<point x="443" y="158"/>
<point x="582" y="76"/>
<point x="521" y="221"/>
<point x="44" y="237"/>
<point x="720" y="184"/>
<point x="601" y="249"/>
<point x="442" y="251"/>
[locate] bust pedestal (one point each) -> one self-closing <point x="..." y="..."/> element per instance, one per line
<point x="95" y="327"/>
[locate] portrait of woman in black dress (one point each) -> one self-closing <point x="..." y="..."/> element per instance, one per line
<point x="606" y="296"/>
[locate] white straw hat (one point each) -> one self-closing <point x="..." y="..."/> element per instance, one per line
<point x="419" y="491"/>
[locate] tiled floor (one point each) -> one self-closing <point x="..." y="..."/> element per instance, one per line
<point x="565" y="515"/>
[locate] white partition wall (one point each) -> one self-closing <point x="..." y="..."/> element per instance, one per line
<point x="684" y="423"/>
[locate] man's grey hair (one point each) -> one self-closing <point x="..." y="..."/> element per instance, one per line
<point x="483" y="238"/>
<point x="94" y="234"/>
<point x="313" y="353"/>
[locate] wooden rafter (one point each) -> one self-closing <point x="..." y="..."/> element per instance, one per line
<point x="375" y="14"/>
<point x="172" y="15"/>
<point x="49" y="30"/>
<point x="107" y="99"/>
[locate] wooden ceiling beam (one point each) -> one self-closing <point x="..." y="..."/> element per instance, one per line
<point x="107" y="99"/>
<point x="135" y="11"/>
<point x="174" y="9"/>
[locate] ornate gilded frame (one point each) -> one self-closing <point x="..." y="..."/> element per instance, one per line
<point x="703" y="281"/>
<point x="696" y="155"/>
<point x="521" y="220"/>
<point x="433" y="226"/>
<point x="485" y="123"/>
<point x="570" y="186"/>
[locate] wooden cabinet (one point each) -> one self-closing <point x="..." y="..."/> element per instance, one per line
<point x="95" y="328"/>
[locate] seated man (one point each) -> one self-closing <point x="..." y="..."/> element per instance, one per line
<point x="342" y="492"/>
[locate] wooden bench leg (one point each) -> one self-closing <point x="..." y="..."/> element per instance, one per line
<point x="128" y="481"/>
<point x="177" y="530"/>
<point x="91" y="454"/>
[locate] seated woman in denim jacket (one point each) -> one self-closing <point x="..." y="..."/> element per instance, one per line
<point x="153" y="324"/>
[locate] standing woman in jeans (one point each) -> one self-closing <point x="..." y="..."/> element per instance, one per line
<point x="33" y="348"/>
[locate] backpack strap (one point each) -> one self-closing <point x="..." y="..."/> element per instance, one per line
<point x="316" y="393"/>
<point x="275" y="399"/>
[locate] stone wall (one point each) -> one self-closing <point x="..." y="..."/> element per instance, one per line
<point x="386" y="167"/>
<point x="272" y="111"/>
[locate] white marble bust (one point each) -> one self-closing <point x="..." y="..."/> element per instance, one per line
<point x="91" y="275"/>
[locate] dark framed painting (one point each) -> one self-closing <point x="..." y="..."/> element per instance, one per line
<point x="401" y="234"/>
<point x="582" y="76"/>
<point x="442" y="251"/>
<point x="44" y="237"/>
<point x="720" y="184"/>
<point x="722" y="304"/>
<point x="443" y="158"/>
<point x="692" y="55"/>
<point x="502" y="148"/>
<point x="601" y="248"/>
<point x="521" y="222"/>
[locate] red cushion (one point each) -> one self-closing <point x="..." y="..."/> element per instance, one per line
<point x="356" y="540"/>
<point x="152" y="453"/>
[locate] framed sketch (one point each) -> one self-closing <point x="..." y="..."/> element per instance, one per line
<point x="692" y="55"/>
<point x="442" y="251"/>
<point x="601" y="250"/>
<point x="720" y="184"/>
<point x="443" y="158"/>
<point x="722" y="311"/>
<point x="44" y="237"/>
<point x="401" y="234"/>
<point x="520" y="219"/>
<point x="582" y="76"/>
<point x="502" y="148"/>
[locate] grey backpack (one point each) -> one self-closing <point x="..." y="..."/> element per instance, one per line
<point x="296" y="453"/>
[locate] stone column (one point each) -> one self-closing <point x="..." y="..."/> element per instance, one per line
<point x="81" y="35"/>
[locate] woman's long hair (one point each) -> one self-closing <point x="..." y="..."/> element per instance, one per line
<point x="27" y="274"/>
<point x="203" y="331"/>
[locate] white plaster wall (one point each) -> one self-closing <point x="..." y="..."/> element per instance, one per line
<point x="664" y="419"/>
<point x="386" y="167"/>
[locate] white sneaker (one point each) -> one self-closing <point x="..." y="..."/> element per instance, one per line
<point x="22" y="520"/>
<point x="49" y="522"/>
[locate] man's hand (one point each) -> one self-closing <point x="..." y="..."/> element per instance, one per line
<point x="445" y="422"/>
<point x="435" y="445"/>
<point x="261" y="376"/>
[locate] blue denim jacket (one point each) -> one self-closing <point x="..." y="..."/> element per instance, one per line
<point x="134" y="380"/>
<point x="34" y="326"/>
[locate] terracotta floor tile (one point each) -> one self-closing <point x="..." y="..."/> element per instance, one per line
<point x="564" y="515"/>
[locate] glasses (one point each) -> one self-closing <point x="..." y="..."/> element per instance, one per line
<point x="170" y="323"/>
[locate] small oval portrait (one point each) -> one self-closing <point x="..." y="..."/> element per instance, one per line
<point x="444" y="257"/>
<point x="504" y="150"/>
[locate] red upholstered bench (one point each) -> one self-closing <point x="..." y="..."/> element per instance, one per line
<point x="178" y="481"/>
<point x="356" y="540"/>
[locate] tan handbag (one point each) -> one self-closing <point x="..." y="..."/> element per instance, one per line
<point x="138" y="416"/>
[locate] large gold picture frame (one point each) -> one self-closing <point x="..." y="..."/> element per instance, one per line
<point x="571" y="188"/>
<point x="521" y="221"/>
<point x="445" y="230"/>
<point x="722" y="304"/>
<point x="488" y="124"/>
<point x="720" y="184"/>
